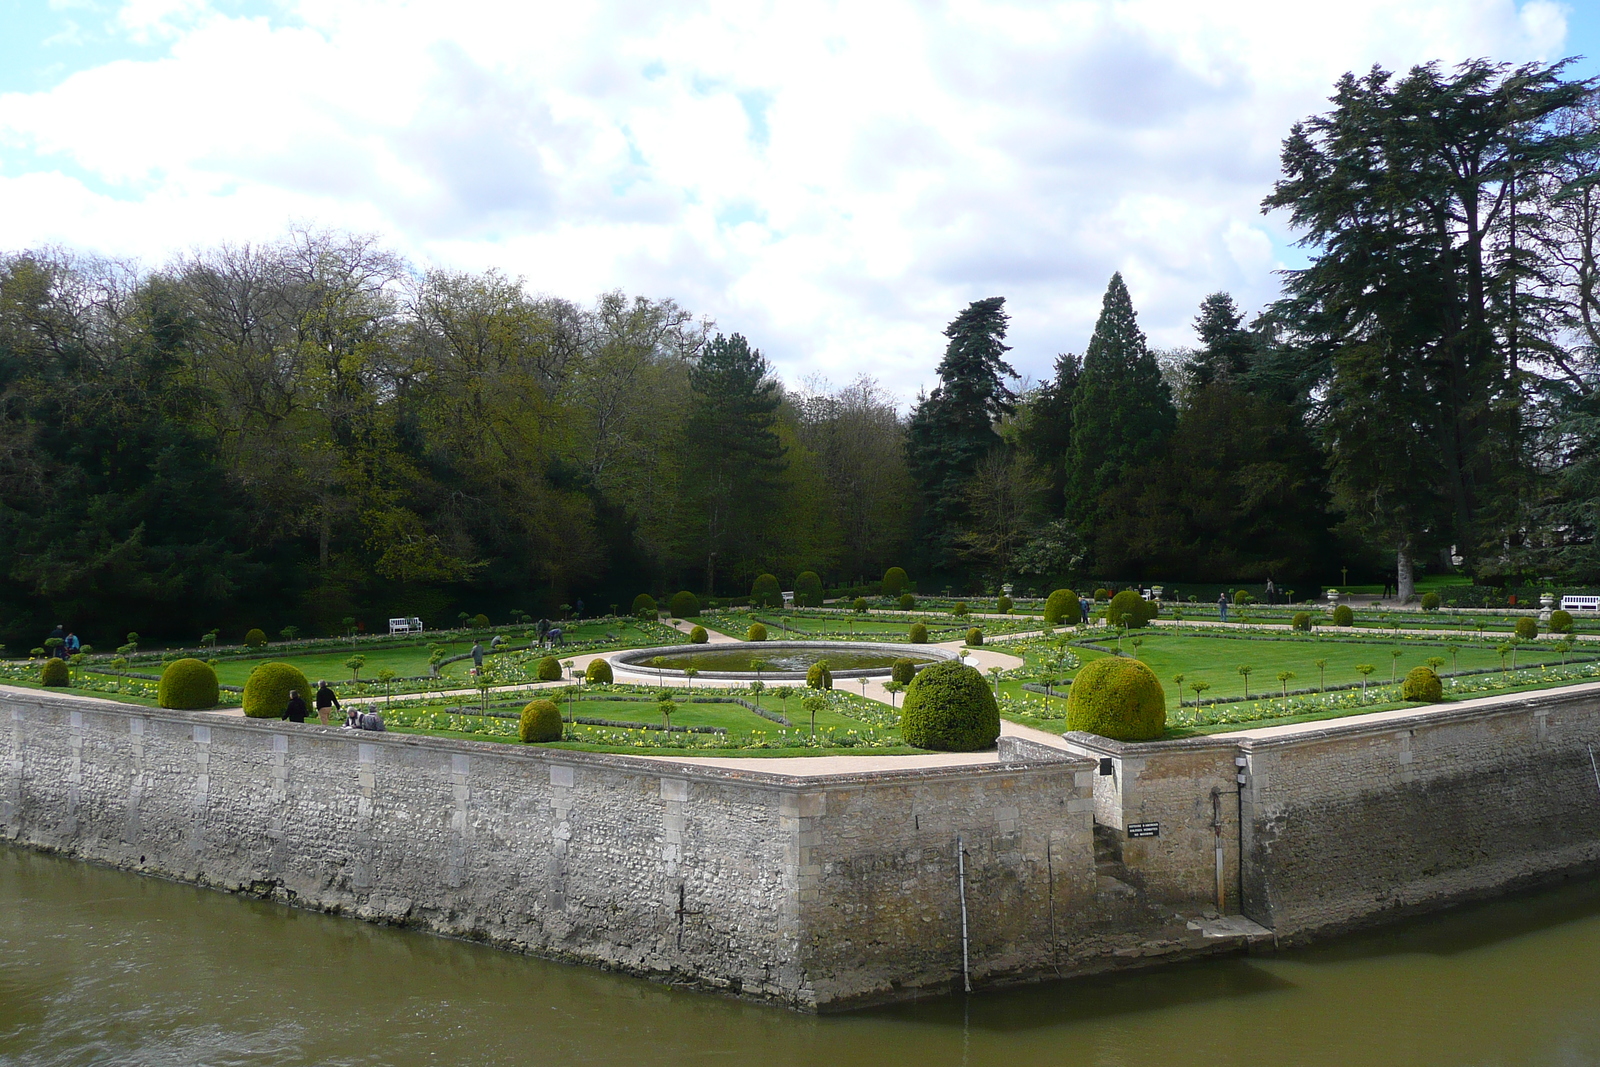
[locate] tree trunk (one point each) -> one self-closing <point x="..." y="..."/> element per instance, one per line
<point x="1405" y="581"/>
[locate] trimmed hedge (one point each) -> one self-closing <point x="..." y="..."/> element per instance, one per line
<point x="949" y="708"/>
<point x="1560" y="622"/>
<point x="1343" y="616"/>
<point x="187" y="685"/>
<point x="1527" y="628"/>
<point x="1430" y="601"/>
<point x="808" y="590"/>
<point x="818" y="676"/>
<point x="598" y="672"/>
<point x="644" y="607"/>
<point x="549" y="669"/>
<point x="255" y="638"/>
<point x="894" y="581"/>
<point x="685" y="605"/>
<point x="540" y="723"/>
<point x="907" y="601"/>
<point x="54" y="673"/>
<point x="903" y="670"/>
<point x="698" y="636"/>
<point x="918" y="634"/>
<point x="1422" y="684"/>
<point x="266" y="691"/>
<point x="974" y="637"/>
<point x="1061" y="605"/>
<point x="1131" y="610"/>
<point x="1117" y="698"/>
<point x="1301" y="622"/>
<point x="757" y="632"/>
<point x="766" y="593"/>
<point x="1005" y="605"/>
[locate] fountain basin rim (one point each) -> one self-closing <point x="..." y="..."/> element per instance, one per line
<point x="630" y="658"/>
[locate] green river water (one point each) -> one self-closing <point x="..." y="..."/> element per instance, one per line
<point x="101" y="967"/>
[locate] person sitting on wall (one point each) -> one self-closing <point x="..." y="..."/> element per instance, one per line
<point x="296" y="710"/>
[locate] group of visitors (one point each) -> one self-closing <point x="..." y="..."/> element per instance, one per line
<point x="63" y="643"/>
<point x="327" y="700"/>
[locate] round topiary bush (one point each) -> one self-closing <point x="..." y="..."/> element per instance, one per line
<point x="860" y="605"/>
<point x="959" y="609"/>
<point x="598" y="672"/>
<point x="1560" y="622"/>
<point x="808" y="590"/>
<point x="1131" y="610"/>
<point x="1422" y="684"/>
<point x="949" y="708"/>
<point x="766" y="593"/>
<point x="54" y="673"/>
<point x="1527" y="628"/>
<point x="818" y="676"/>
<point x="480" y="621"/>
<point x="1301" y="622"/>
<point x="903" y="670"/>
<point x="894" y="581"/>
<point x="757" y="632"/>
<point x="698" y="636"/>
<point x="1430" y="601"/>
<point x="1343" y="616"/>
<point x="266" y="691"/>
<point x="188" y="685"/>
<point x="685" y="605"/>
<point x="644" y="606"/>
<point x="1061" y="606"/>
<point x="907" y="601"/>
<point x="1117" y="698"/>
<point x="918" y="634"/>
<point x="540" y="723"/>
<point x="549" y="669"/>
<point x="255" y="638"/>
<point x="974" y="637"/>
<point x="1102" y="594"/>
<point x="1004" y="604"/>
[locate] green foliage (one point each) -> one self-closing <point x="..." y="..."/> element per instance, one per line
<point x="266" y="691"/>
<point x="1422" y="684"/>
<point x="1343" y="616"/>
<point x="1301" y="621"/>
<point x="540" y="723"/>
<point x="54" y="672"/>
<point x="949" y="708"/>
<point x="808" y="590"/>
<point x="1527" y="628"/>
<point x="598" y="672"/>
<point x="1117" y="698"/>
<point x="1430" y="601"/>
<point x="685" y="605"/>
<point x="254" y="638"/>
<point x="549" y="669"/>
<point x="188" y="685"/>
<point x="1130" y="609"/>
<point x="1004" y="605"/>
<point x="860" y="605"/>
<point x="766" y="593"/>
<point x="480" y="621"/>
<point x="757" y="632"/>
<point x="1102" y="594"/>
<point x="918" y="634"/>
<point x="1060" y="607"/>
<point x="698" y="635"/>
<point x="818" y="676"/>
<point x="903" y="670"/>
<point x="644" y="607"/>
<point x="974" y="637"/>
<point x="959" y="609"/>
<point x="894" y="581"/>
<point x="907" y="602"/>
<point x="1560" y="622"/>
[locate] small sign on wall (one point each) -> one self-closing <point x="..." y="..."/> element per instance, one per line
<point x="1144" y="829"/>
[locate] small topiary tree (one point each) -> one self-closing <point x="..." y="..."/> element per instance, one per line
<point x="598" y="672"/>
<point x="894" y="581"/>
<point x="255" y="638"/>
<point x="540" y="723"/>
<point x="1343" y="616"/>
<point x="685" y="605"/>
<point x="54" y="673"/>
<point x="1131" y="610"/>
<point x="1117" y="698"/>
<point x="480" y="621"/>
<point x="766" y="593"/>
<point x="644" y="607"/>
<point x="959" y="609"/>
<point x="1527" y="629"/>
<point x="903" y="670"/>
<point x="549" y="670"/>
<point x="808" y="590"/>
<point x="818" y="676"/>
<point x="918" y="634"/>
<point x="974" y="637"/>
<point x="698" y="636"/>
<point x="1102" y="594"/>
<point x="1061" y="606"/>
<point x="949" y="708"/>
<point x="1301" y="621"/>
<point x="1004" y="604"/>
<point x="1430" y="601"/>
<point x="1560" y="622"/>
<point x="266" y="691"/>
<point x="1423" y="684"/>
<point x="187" y="685"/>
<point x="860" y="605"/>
<point x="757" y="632"/>
<point x="907" y="601"/>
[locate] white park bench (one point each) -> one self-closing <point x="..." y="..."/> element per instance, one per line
<point x="1580" y="603"/>
<point x="413" y="625"/>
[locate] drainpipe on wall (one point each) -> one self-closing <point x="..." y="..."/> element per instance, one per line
<point x="1216" y="830"/>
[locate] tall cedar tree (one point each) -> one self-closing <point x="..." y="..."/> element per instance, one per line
<point x="736" y="461"/>
<point x="1122" y="413"/>
<point x="1044" y="429"/>
<point x="1407" y="193"/>
<point x="952" y="428"/>
<point x="1226" y="347"/>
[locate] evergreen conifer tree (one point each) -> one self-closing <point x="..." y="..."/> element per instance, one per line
<point x="1226" y="345"/>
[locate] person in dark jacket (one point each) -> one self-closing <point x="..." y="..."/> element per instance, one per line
<point x="325" y="700"/>
<point x="371" y="720"/>
<point x="296" y="711"/>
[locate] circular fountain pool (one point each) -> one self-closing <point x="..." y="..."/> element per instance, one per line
<point x="776" y="659"/>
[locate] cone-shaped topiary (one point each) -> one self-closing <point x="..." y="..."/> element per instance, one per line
<point x="549" y="669"/>
<point x="903" y="670"/>
<point x="1301" y="621"/>
<point x="918" y="634"/>
<point x="698" y="636"/>
<point x="1343" y="616"/>
<point x="808" y="590"/>
<point x="894" y="581"/>
<point x="1430" y="601"/>
<point x="598" y="672"/>
<point x="266" y="691"/>
<point x="644" y="607"/>
<point x="54" y="673"/>
<point x="1131" y="610"/>
<point x="974" y="637"/>
<point x="1560" y="622"/>
<point x="540" y="723"/>
<point x="1061" y="606"/>
<point x="765" y="592"/>
<point x="907" y="601"/>
<point x="1422" y="684"/>
<point x="188" y="685"/>
<point x="818" y="676"/>
<point x="1527" y="628"/>
<point x="1004" y="604"/>
<point x="757" y="632"/>
<point x="1117" y="698"/>
<point x="949" y="707"/>
<point x="685" y="605"/>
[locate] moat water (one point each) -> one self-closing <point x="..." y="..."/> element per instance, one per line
<point x="101" y="967"/>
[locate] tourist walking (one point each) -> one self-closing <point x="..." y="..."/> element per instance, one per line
<point x="1083" y="611"/>
<point x="477" y="655"/>
<point x="1222" y="607"/>
<point x="543" y="629"/>
<point x="325" y="700"/>
<point x="296" y="709"/>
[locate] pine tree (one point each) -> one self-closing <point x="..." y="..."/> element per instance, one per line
<point x="1227" y="346"/>
<point x="1122" y="412"/>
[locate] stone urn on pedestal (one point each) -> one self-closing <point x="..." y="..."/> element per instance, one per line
<point x="1547" y="603"/>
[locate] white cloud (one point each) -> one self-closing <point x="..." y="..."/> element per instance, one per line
<point x="834" y="180"/>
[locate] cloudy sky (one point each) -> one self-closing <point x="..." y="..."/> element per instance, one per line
<point x="834" y="180"/>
